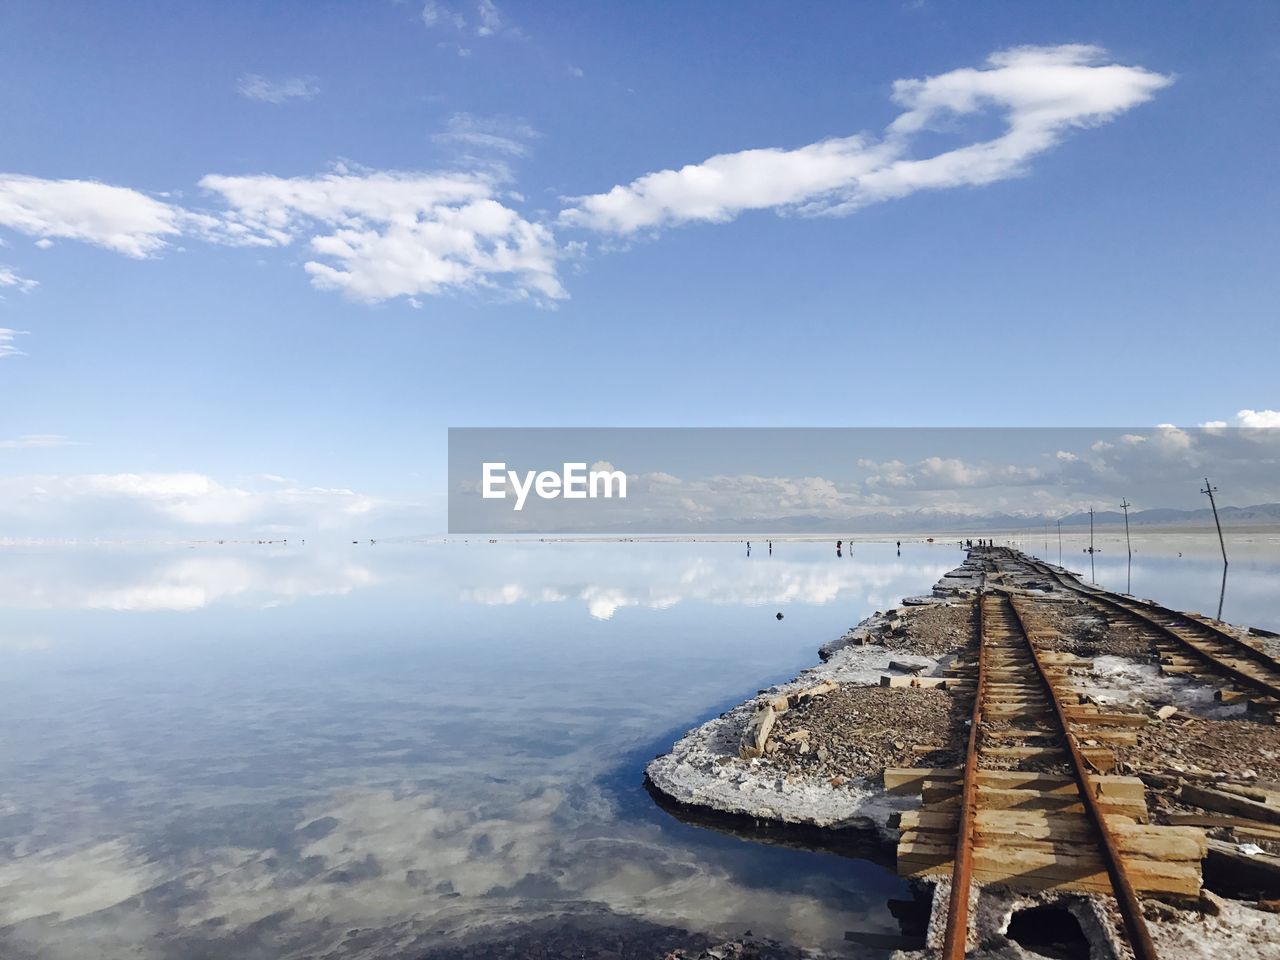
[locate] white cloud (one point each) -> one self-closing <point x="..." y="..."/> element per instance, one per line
<point x="486" y="19"/>
<point x="1040" y="92"/>
<point x="950" y="473"/>
<point x="116" y="218"/>
<point x="490" y="18"/>
<point x="40" y="440"/>
<point x="7" y="349"/>
<point x="150" y="581"/>
<point x="438" y="15"/>
<point x="10" y="279"/>
<point x="132" y="505"/>
<point x="660" y="584"/>
<point x="384" y="234"/>
<point x="257" y="87"/>
<point x="1258" y="418"/>
<point x="374" y="235"/>
<point x="504" y="135"/>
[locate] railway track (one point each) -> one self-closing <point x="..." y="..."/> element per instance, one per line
<point x="1033" y="807"/>
<point x="1187" y="645"/>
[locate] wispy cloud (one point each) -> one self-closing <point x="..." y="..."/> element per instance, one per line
<point x="378" y="234"/>
<point x="188" y="504"/>
<point x="1041" y="92"/>
<point x="487" y="135"/>
<point x="38" y="440"/>
<point x="381" y="234"/>
<point x="10" y="279"/>
<point x="439" y="15"/>
<point x="117" y="218"/>
<point x="481" y="19"/>
<point x="254" y="86"/>
<point x="7" y="347"/>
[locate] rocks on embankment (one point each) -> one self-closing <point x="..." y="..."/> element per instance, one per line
<point x="829" y="733"/>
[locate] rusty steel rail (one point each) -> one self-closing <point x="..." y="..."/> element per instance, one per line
<point x="956" y="937"/>
<point x="1126" y="898"/>
<point x="1107" y="600"/>
<point x="1139" y="607"/>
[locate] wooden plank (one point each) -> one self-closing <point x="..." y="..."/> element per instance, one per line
<point x="1092" y="715"/>
<point x="908" y="780"/>
<point x="1241" y="825"/>
<point x="1228" y="803"/>
<point x="1026" y="870"/>
<point x="1118" y="786"/>
<point x="1261" y="869"/>
<point x="1166" y="844"/>
<point x="911" y="780"/>
<point x="1121" y="735"/>
<point x="1260" y="794"/>
<point x="939" y="791"/>
<point x="1037" y="824"/>
<point x="1024" y="753"/>
<point x="926" y="683"/>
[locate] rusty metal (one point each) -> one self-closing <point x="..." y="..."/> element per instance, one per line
<point x="956" y="936"/>
<point x="1130" y="909"/>
<point x="1107" y="600"/>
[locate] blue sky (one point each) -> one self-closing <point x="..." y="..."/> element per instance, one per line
<point x="1119" y="272"/>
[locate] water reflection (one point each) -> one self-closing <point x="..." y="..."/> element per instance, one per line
<point x="96" y="578"/>
<point x="602" y="578"/>
<point x="1185" y="571"/>
<point x="370" y="750"/>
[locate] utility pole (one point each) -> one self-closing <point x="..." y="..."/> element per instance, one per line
<point x="1059" y="541"/>
<point x="1210" y="489"/>
<point x="1093" y="573"/>
<point x="1124" y="505"/>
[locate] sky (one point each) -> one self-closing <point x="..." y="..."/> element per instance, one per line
<point x="256" y="259"/>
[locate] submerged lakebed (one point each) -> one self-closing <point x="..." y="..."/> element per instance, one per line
<point x="392" y="750"/>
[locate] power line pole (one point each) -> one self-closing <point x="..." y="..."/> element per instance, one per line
<point x="1124" y="505"/>
<point x="1093" y="573"/>
<point x="1210" y="489"/>
<point x="1059" y="541"/>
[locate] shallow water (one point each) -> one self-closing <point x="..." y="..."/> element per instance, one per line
<point x="360" y="750"/>
<point x="1183" y="571"/>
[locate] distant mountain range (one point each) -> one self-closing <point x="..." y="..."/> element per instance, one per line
<point x="937" y="521"/>
<point x="1258" y="513"/>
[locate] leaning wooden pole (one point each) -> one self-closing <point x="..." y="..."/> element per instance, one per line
<point x="1210" y="489"/>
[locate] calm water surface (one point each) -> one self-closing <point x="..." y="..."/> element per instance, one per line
<point x="256" y="751"/>
<point x="1183" y="571"/>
